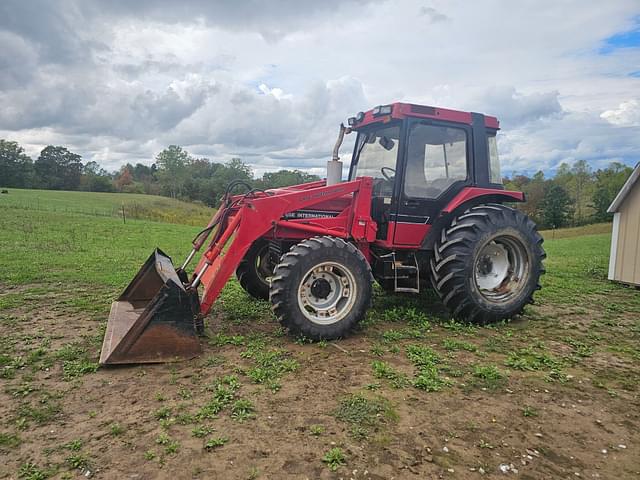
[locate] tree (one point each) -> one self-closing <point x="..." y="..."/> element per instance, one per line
<point x="95" y="178"/>
<point x="172" y="165"/>
<point x="124" y="179"/>
<point x="58" y="169"/>
<point x="16" y="168"/>
<point x="581" y="181"/>
<point x="283" y="178"/>
<point x="608" y="183"/>
<point x="555" y="206"/>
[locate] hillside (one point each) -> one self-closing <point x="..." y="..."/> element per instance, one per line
<point x="136" y="206"/>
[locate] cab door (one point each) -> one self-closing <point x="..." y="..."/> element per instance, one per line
<point x="435" y="168"/>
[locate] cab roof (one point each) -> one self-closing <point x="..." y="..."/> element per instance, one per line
<point x="409" y="110"/>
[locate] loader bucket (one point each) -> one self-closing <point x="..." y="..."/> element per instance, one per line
<point x="153" y="320"/>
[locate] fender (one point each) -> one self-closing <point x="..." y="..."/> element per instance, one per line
<point x="467" y="198"/>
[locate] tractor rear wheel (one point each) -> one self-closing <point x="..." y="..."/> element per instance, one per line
<point x="321" y="288"/>
<point x="487" y="263"/>
<point x="255" y="270"/>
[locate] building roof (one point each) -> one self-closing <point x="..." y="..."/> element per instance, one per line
<point x="624" y="191"/>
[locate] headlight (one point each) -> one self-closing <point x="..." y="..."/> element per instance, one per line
<point x="360" y="117"/>
<point x="382" y="110"/>
<point x="351" y="121"/>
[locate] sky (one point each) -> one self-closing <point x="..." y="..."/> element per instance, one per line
<point x="270" y="81"/>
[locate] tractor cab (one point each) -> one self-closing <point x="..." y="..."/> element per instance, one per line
<point x="420" y="158"/>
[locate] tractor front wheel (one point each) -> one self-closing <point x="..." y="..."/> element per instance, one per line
<point x="321" y="288"/>
<point x="487" y="263"/>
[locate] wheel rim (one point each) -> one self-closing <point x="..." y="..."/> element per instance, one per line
<point x="501" y="268"/>
<point x="327" y="293"/>
<point x="264" y="265"/>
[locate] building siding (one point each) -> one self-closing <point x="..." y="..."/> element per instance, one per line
<point x="627" y="261"/>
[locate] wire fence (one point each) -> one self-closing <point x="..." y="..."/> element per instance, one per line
<point x="125" y="211"/>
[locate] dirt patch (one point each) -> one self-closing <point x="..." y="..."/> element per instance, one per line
<point x="260" y="404"/>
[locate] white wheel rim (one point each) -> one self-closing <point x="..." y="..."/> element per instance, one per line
<point x="327" y="293"/>
<point x="501" y="269"/>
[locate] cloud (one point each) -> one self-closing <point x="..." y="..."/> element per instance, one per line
<point x="514" y="108"/>
<point x="433" y="15"/>
<point x="119" y="80"/>
<point x="627" y="114"/>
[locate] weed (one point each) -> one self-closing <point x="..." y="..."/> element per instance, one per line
<point x="334" y="459"/>
<point x="279" y="331"/>
<point x="74" y="445"/>
<point x="579" y="348"/>
<point x="242" y="410"/>
<point x="270" y="365"/>
<point x="185" y="393"/>
<point x="454" y="345"/>
<point x="302" y="340"/>
<point x="9" y="440"/>
<point x="185" y="418"/>
<point x="30" y="471"/>
<point x="201" y="431"/>
<point x="214" y="361"/>
<point x="427" y="376"/>
<point x="162" y="413"/>
<point x="253" y="473"/>
<point x="160" y="397"/>
<point x="377" y="350"/>
<point x="485" y="444"/>
<point x="489" y="376"/>
<point x="363" y="413"/>
<point x="116" y="429"/>
<point x="214" y="443"/>
<point x="210" y="409"/>
<point x="529" y="359"/>
<point x="78" y="461"/>
<point x="221" y="339"/>
<point x="75" y="368"/>
<point x="316" y="430"/>
<point x="42" y="412"/>
<point x="163" y="439"/>
<point x="172" y="447"/>
<point x="384" y="370"/>
<point x="149" y="455"/>
<point x="529" y="411"/>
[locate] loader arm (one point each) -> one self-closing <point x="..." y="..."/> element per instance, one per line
<point x="250" y="217"/>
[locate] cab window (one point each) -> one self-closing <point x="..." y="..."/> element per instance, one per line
<point x="436" y="159"/>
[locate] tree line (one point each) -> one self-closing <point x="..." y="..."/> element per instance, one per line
<point x="175" y="173"/>
<point x="575" y="195"/>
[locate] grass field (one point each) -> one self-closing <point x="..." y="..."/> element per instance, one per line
<point x="412" y="394"/>
<point x="136" y="206"/>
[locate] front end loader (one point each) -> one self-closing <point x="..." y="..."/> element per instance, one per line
<point x="423" y="206"/>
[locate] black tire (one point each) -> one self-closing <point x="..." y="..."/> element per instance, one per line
<point x="253" y="274"/>
<point x="292" y="285"/>
<point x="462" y="263"/>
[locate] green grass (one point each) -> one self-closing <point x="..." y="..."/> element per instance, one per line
<point x="136" y="206"/>
<point x="41" y="247"/>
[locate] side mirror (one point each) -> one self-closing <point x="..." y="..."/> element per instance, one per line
<point x="386" y="143"/>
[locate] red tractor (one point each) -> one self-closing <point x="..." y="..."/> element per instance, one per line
<point x="423" y="206"/>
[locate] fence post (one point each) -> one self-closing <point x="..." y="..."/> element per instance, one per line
<point x="124" y="218"/>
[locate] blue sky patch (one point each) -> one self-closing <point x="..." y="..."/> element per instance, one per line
<point x="628" y="39"/>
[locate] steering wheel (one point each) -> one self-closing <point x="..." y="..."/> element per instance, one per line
<point x="391" y="177"/>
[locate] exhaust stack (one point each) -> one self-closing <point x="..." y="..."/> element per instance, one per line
<point x="334" y="166"/>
